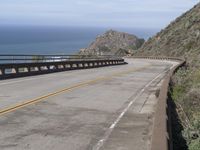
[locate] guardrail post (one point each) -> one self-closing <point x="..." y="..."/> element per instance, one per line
<point x="49" y="68"/>
<point x="2" y="71"/>
<point x="16" y="70"/>
<point x="93" y="64"/>
<point x="70" y="66"/>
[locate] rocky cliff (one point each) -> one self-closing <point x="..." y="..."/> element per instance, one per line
<point x="113" y="42"/>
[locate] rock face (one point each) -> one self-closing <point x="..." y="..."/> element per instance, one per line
<point x="180" y="38"/>
<point x="113" y="43"/>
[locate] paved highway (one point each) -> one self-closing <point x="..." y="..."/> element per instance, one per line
<point x="109" y="108"/>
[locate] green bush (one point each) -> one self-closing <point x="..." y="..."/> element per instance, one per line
<point x="178" y="92"/>
<point x="196" y="122"/>
<point x="195" y="145"/>
<point x="196" y="77"/>
<point x="189" y="45"/>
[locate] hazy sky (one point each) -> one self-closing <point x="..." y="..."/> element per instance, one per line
<point x="101" y="13"/>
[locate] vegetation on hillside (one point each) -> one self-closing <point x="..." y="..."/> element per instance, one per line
<point x="186" y="94"/>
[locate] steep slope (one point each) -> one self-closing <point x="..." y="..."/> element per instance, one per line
<point x="113" y="42"/>
<point x="182" y="38"/>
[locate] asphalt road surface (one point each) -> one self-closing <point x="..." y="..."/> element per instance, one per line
<point x="109" y="108"/>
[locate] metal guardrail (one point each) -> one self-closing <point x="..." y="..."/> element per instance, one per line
<point x="12" y="66"/>
<point x="13" y="59"/>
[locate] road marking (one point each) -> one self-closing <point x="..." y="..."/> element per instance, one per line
<point x="36" y="100"/>
<point x="107" y="134"/>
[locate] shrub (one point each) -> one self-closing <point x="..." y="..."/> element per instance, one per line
<point x="190" y="45"/>
<point x="195" y="145"/>
<point x="178" y="92"/>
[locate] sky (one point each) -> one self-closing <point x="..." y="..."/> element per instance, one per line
<point x="95" y="13"/>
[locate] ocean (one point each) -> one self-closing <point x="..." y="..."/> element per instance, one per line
<point x="54" y="40"/>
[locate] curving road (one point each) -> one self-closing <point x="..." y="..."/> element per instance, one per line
<point x="108" y="108"/>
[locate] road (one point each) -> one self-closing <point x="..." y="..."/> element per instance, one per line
<point x="109" y="108"/>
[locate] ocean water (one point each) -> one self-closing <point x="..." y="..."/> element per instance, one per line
<point x="53" y="40"/>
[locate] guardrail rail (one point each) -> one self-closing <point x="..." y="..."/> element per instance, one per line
<point x="12" y="66"/>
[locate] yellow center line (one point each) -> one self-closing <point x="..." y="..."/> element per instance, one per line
<point x="36" y="100"/>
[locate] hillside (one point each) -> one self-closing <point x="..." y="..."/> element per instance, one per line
<point x="182" y="38"/>
<point x="113" y="42"/>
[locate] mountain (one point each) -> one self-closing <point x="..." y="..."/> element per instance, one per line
<point x="113" y="42"/>
<point x="182" y="39"/>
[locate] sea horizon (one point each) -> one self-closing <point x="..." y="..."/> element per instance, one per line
<point x="37" y="40"/>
